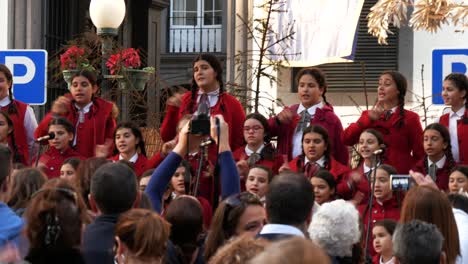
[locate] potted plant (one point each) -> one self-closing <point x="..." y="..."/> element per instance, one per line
<point x="128" y="63"/>
<point x="73" y="60"/>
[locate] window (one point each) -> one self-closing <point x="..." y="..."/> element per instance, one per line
<point x="184" y="12"/>
<point x="212" y="13"/>
<point x="196" y="12"/>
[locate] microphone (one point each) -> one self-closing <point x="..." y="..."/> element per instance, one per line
<point x="378" y="152"/>
<point x="50" y="136"/>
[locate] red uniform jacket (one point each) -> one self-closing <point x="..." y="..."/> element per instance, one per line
<point x="390" y="209"/>
<point x="340" y="171"/>
<point x="404" y="145"/>
<point x="462" y="133"/>
<point x="97" y="129"/>
<point x="154" y="161"/>
<point x="442" y="175"/>
<point x="227" y="105"/>
<point x="19" y="131"/>
<point x="139" y="166"/>
<point x="53" y="160"/>
<point x="324" y="117"/>
<point x="362" y="190"/>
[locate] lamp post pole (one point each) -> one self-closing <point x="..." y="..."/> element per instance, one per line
<point x="107" y="35"/>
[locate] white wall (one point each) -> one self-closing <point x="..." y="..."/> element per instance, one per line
<point x="3" y="24"/>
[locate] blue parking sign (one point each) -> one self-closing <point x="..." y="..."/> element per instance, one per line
<point x="444" y="62"/>
<point x="29" y="69"/>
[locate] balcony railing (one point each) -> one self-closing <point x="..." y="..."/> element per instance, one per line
<point x="194" y="36"/>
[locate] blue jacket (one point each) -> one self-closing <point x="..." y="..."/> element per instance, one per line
<point x="10" y="225"/>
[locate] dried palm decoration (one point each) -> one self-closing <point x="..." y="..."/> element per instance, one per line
<point x="382" y="14"/>
<point x="428" y="15"/>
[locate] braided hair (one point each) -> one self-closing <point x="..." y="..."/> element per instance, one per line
<point x="319" y="77"/>
<point x="214" y="62"/>
<point x="12" y="109"/>
<point x="402" y="86"/>
<point x="324" y="133"/>
<point x="443" y="131"/>
<point x="17" y="157"/>
<point x="460" y="81"/>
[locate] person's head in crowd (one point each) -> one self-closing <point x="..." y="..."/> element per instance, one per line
<point x="436" y="143"/>
<point x="113" y="189"/>
<point x="324" y="185"/>
<point x="459" y="201"/>
<point x="5" y="165"/>
<point x="145" y="178"/>
<point x="239" y="250"/>
<point x="336" y="219"/>
<point x="26" y="182"/>
<point x="392" y="90"/>
<point x="258" y="179"/>
<point x="370" y="141"/>
<point x="256" y="131"/>
<point x="64" y="132"/>
<point x="178" y="183"/>
<point x="316" y="143"/>
<point x="311" y="86"/>
<point x="236" y="215"/>
<point x="16" y="167"/>
<point x="432" y="206"/>
<point x="289" y="200"/>
<point x="418" y="242"/>
<point x="55" y="218"/>
<point x="83" y="87"/>
<point x="458" y="179"/>
<point x="382" y="232"/>
<point x="69" y="168"/>
<point x="128" y="140"/>
<point x="455" y="91"/>
<point x="207" y="73"/>
<point x="295" y="250"/>
<point x="186" y="218"/>
<point x="141" y="237"/>
<point x="145" y="202"/>
<point x="383" y="190"/>
<point x="84" y="172"/>
<point x="6" y="127"/>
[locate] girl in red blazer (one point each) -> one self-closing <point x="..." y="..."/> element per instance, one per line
<point x="401" y="128"/>
<point x="7" y="136"/>
<point x="386" y="204"/>
<point x="316" y="155"/>
<point x="130" y="146"/>
<point x="92" y="117"/>
<point x="436" y="140"/>
<point x="59" y="147"/>
<point x="22" y="115"/>
<point x="258" y="149"/>
<point x="324" y="185"/>
<point x="312" y="109"/>
<point x="207" y="79"/>
<point x="454" y="92"/>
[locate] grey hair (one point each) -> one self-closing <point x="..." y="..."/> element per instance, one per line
<point x="417" y="242"/>
<point x="335" y="227"/>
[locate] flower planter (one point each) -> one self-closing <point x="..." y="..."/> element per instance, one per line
<point x="67" y="76"/>
<point x="133" y="78"/>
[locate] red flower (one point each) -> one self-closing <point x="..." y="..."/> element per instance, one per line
<point x="127" y="58"/>
<point x="73" y="58"/>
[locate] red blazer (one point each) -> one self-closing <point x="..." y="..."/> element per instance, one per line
<point x="404" y="145"/>
<point x="340" y="171"/>
<point x="362" y="190"/>
<point x="390" y="209"/>
<point x="324" y="117"/>
<point x="462" y="133"/>
<point x="53" y="160"/>
<point x="139" y="166"/>
<point x="97" y="128"/>
<point x="154" y="161"/>
<point x="442" y="174"/>
<point x="227" y="105"/>
<point x="273" y="164"/>
<point x="19" y="131"/>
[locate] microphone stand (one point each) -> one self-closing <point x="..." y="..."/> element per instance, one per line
<point x="38" y="153"/>
<point x="203" y="146"/>
<point x="376" y="160"/>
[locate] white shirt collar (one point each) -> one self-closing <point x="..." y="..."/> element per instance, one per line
<point x="213" y="97"/>
<point x="311" y="109"/>
<point x="250" y="152"/>
<point x="5" y="101"/>
<point x="86" y="108"/>
<point x="320" y="161"/>
<point x="281" y="229"/>
<point x="393" y="110"/>
<point x="440" y="163"/>
<point x="458" y="113"/>
<point x="365" y="168"/>
<point x="133" y="159"/>
<point x="391" y="261"/>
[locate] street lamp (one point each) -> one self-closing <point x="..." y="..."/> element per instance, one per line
<point x="107" y="15"/>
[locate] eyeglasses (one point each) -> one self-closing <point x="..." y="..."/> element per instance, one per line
<point x="255" y="128"/>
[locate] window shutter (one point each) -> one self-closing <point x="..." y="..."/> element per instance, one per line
<point x="374" y="57"/>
